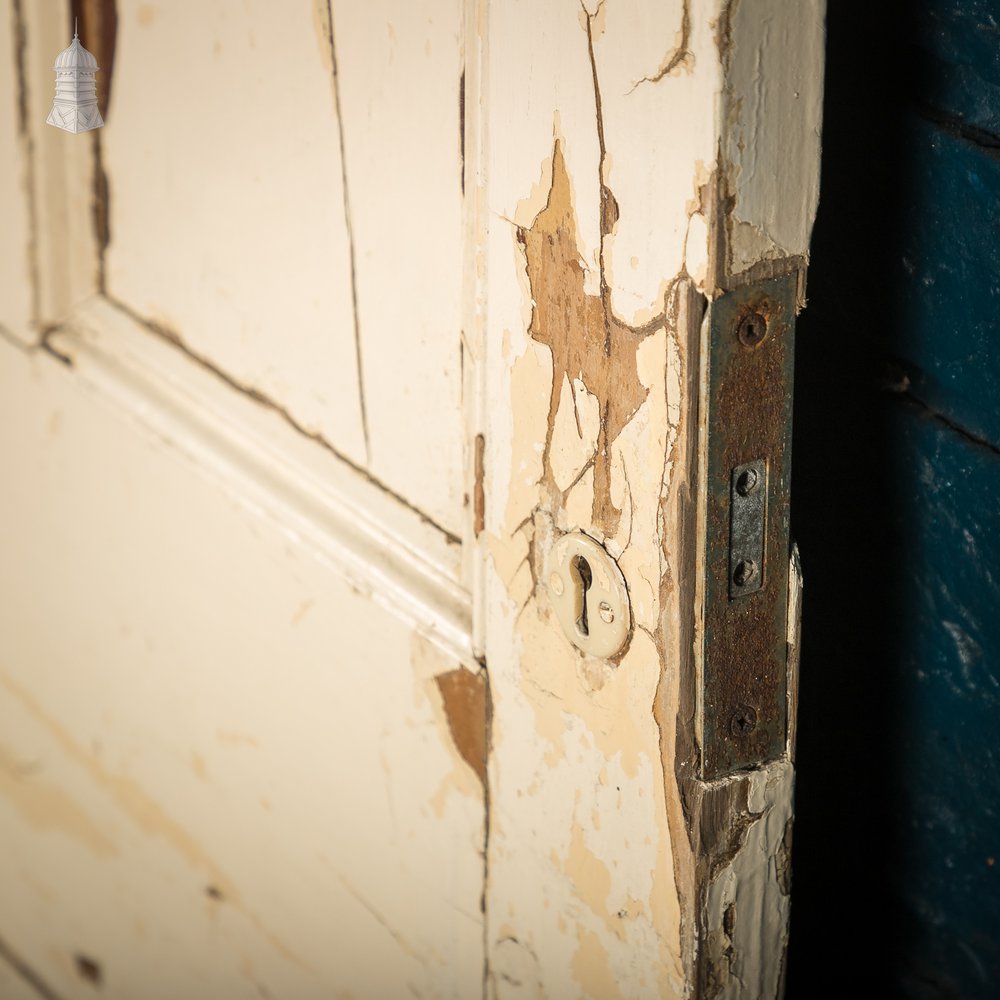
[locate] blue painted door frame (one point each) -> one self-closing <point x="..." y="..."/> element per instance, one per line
<point x="896" y="507"/>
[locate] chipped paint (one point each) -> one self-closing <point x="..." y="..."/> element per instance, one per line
<point x="590" y="347"/>
<point x="619" y="181"/>
<point x="608" y="406"/>
<point x="99" y="26"/>
<point x="464" y="697"/>
<point x="458" y="697"/>
<point x="773" y="109"/>
<point x="746" y="895"/>
<point x="479" y="487"/>
<point x="680" y="57"/>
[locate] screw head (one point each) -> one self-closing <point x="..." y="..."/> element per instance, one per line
<point x="747" y="482"/>
<point x="743" y="721"/>
<point x="607" y="615"/>
<point x="752" y="329"/>
<point x="556" y="584"/>
<point x="746" y="570"/>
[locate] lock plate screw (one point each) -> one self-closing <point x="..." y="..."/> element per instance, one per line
<point x="743" y="721"/>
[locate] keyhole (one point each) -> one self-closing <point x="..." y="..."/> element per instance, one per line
<point x="582" y="569"/>
<point x="752" y="329"/>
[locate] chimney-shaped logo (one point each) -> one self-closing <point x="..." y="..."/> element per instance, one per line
<point x="75" y="106"/>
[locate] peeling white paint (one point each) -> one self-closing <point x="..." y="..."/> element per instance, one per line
<point x="747" y="903"/>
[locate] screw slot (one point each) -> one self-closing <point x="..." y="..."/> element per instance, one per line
<point x="747" y="482"/>
<point x="743" y="721"/>
<point x="746" y="570"/>
<point x="752" y="329"/>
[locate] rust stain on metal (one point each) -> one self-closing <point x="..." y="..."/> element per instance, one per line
<point x="464" y="695"/>
<point x="749" y="418"/>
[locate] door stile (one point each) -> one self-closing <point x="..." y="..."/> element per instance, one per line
<point x="649" y="165"/>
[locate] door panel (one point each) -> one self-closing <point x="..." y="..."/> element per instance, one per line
<point x="263" y="212"/>
<point x="226" y="770"/>
<point x="216" y="191"/>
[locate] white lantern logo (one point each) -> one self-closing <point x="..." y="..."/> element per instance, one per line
<point x="75" y="106"/>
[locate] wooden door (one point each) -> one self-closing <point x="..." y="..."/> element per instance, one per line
<point x="315" y="357"/>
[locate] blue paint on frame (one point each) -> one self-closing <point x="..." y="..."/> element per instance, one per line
<point x="896" y="506"/>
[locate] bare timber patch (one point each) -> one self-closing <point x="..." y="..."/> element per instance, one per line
<point x="589" y="344"/>
<point x="464" y="697"/>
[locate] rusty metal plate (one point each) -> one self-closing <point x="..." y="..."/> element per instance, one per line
<point x="749" y="426"/>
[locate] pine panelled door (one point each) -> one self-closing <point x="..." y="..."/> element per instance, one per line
<point x="397" y="595"/>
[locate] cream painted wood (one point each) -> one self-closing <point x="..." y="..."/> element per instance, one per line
<point x="292" y="455"/>
<point x="15" y="180"/>
<point x="399" y="73"/>
<point x="616" y="133"/>
<point x="249" y="145"/>
<point x="382" y="546"/>
<point x="226" y="770"/>
<point x="13" y="985"/>
<point x="226" y="205"/>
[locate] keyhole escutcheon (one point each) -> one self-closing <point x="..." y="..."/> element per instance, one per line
<point x="587" y="592"/>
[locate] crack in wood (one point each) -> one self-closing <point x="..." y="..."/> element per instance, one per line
<point x="26" y="973"/>
<point x="983" y="139"/>
<point x="587" y="341"/>
<point x="174" y="338"/>
<point x="350" y="230"/>
<point x="28" y="148"/>
<point x="679" y="55"/>
<point x="98" y="22"/>
<point x="907" y="395"/>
